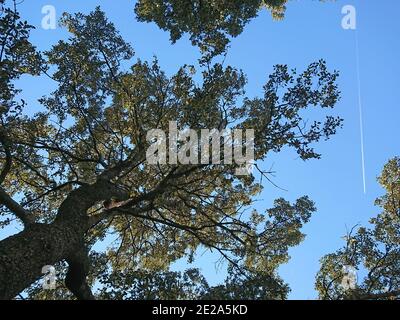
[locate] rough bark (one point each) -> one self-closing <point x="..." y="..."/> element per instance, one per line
<point x="78" y="270"/>
<point x="23" y="255"/>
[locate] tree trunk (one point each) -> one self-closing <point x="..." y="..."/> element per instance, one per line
<point x="23" y="255"/>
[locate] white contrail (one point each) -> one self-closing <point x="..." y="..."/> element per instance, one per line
<point x="361" y="112"/>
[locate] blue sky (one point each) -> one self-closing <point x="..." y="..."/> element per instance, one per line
<point x="310" y="31"/>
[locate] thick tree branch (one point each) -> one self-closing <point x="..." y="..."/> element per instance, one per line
<point x="7" y="166"/>
<point x="75" y="280"/>
<point x="15" y="208"/>
<point x="5" y="199"/>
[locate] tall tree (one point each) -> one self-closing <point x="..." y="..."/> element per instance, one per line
<point x="77" y="170"/>
<point x="372" y="251"/>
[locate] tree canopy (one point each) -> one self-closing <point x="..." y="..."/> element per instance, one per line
<point x="374" y="251"/>
<point x="87" y="147"/>
<point x="210" y="24"/>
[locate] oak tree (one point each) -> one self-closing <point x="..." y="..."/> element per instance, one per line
<point x="76" y="171"/>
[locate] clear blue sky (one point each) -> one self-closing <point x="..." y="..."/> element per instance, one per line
<point x="311" y="30"/>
